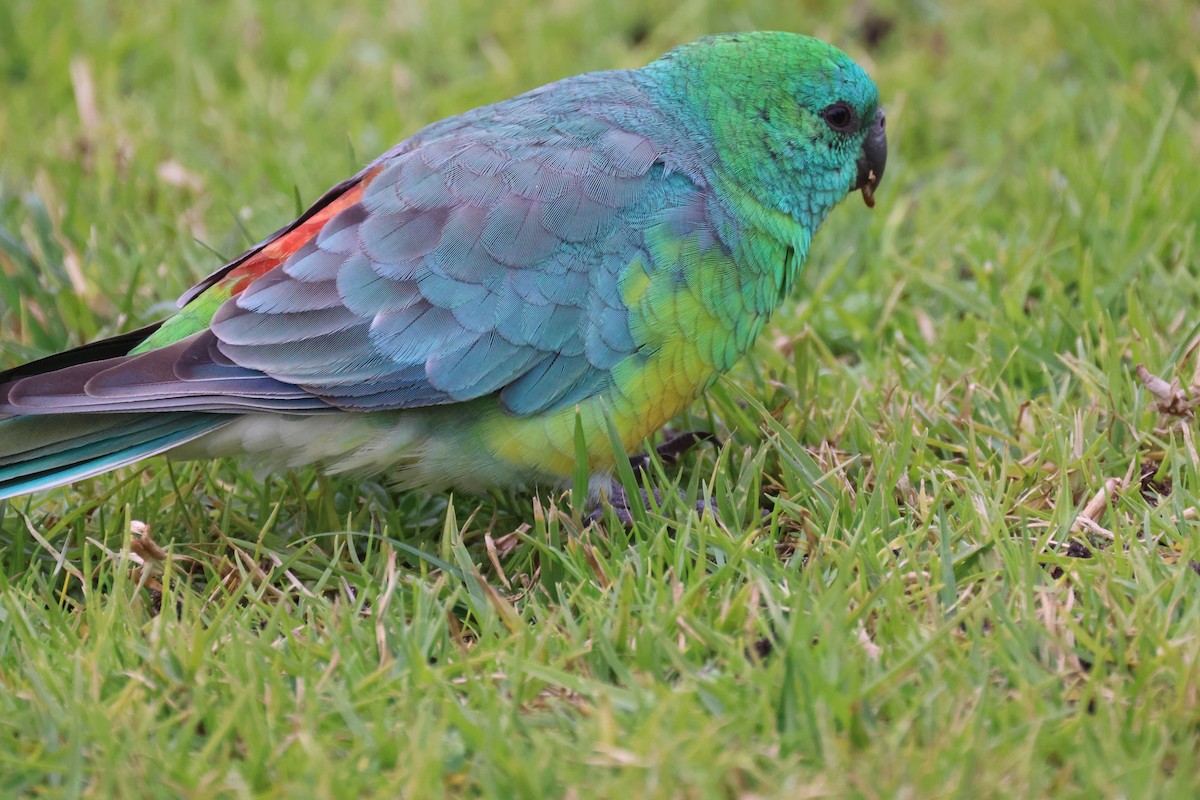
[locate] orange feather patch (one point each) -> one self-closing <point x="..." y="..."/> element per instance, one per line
<point x="279" y="250"/>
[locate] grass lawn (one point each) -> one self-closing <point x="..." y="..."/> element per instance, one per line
<point x="978" y="573"/>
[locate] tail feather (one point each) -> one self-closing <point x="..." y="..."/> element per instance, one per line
<point x="44" y="451"/>
<point x="54" y="430"/>
<point x="26" y="438"/>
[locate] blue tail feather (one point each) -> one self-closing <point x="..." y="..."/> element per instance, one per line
<point x="45" y="451"/>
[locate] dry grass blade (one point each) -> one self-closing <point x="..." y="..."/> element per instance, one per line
<point x="1169" y="397"/>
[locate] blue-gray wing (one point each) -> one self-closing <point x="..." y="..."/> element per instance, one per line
<point x="481" y="258"/>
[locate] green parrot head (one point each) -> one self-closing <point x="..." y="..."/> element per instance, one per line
<point x="794" y="121"/>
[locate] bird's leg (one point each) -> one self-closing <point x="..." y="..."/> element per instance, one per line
<point x="672" y="449"/>
<point x="618" y="499"/>
<point x="622" y="504"/>
<point x="668" y="452"/>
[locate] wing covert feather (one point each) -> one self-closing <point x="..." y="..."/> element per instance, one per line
<point x="481" y="260"/>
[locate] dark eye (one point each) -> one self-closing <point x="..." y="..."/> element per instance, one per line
<point x="840" y="117"/>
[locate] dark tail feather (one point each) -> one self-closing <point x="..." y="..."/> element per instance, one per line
<point x="95" y="351"/>
<point x="44" y="451"/>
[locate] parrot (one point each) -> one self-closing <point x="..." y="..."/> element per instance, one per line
<point x="587" y="257"/>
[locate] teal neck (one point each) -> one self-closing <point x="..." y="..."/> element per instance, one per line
<point x="742" y="154"/>
<point x="771" y="207"/>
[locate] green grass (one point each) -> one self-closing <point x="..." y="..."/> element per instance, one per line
<point x="924" y="420"/>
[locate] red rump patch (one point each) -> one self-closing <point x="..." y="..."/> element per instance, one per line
<point x="279" y="249"/>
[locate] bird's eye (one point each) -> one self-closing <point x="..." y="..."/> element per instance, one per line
<point x="840" y="117"/>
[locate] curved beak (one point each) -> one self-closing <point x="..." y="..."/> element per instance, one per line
<point x="873" y="160"/>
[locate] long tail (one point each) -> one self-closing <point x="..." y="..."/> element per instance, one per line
<point x="110" y="403"/>
<point x="45" y="451"/>
<point x="71" y="435"/>
<point x="104" y="405"/>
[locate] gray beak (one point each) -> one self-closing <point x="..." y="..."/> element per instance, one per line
<point x="873" y="159"/>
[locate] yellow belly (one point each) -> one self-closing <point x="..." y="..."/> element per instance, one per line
<point x="692" y="317"/>
<point x="645" y="396"/>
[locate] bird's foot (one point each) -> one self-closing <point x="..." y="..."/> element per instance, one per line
<point x="622" y="504"/>
<point x="669" y="452"/>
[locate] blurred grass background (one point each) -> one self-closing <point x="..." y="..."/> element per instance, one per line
<point x="934" y="606"/>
